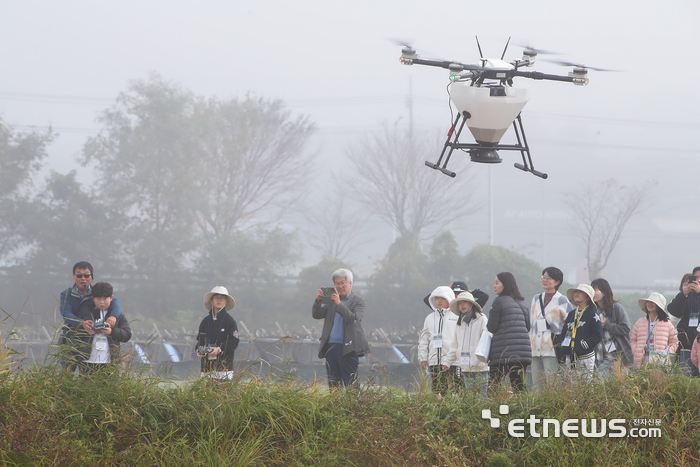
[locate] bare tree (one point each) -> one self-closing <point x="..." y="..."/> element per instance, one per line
<point x="252" y="161"/>
<point x="393" y="183"/>
<point x="602" y="211"/>
<point x="335" y="230"/>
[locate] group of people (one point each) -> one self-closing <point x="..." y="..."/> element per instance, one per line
<point x="584" y="330"/>
<point x="95" y="327"/>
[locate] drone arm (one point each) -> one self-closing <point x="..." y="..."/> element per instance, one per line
<point x="545" y="76"/>
<point x="439" y="63"/>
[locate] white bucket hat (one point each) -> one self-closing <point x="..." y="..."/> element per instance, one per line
<point x="464" y="297"/>
<point x="585" y="288"/>
<point x="654" y="297"/>
<point x="219" y="290"/>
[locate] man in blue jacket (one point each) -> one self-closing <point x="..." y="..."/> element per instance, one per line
<point x="73" y="298"/>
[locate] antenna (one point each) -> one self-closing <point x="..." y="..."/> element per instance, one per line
<point x="506" y="48"/>
<point x="479" y="46"/>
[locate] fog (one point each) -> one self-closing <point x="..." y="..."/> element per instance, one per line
<point x="64" y="62"/>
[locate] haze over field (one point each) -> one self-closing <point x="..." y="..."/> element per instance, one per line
<point x="63" y="63"/>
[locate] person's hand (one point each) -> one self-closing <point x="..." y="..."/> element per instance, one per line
<point x="445" y="367"/>
<point x="215" y="351"/>
<point x="107" y="330"/>
<point x="602" y="319"/>
<point x="692" y="287"/>
<point x="335" y="297"/>
<point x="319" y="295"/>
<point x="87" y="325"/>
<point x="424" y="365"/>
<point x="112" y="321"/>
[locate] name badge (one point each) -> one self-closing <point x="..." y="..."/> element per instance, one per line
<point x="610" y="346"/>
<point x="101" y="344"/>
<point x="567" y="340"/>
<point x="541" y="325"/>
<point x="464" y="359"/>
<point x="437" y="341"/>
<point x="694" y="318"/>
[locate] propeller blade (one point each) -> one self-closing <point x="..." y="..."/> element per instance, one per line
<point x="579" y="65"/>
<point x="538" y="51"/>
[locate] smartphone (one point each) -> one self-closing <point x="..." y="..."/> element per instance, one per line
<point x="327" y="292"/>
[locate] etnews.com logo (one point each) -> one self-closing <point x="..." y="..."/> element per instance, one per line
<point x="571" y="428"/>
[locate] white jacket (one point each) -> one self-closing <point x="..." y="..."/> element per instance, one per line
<point x="438" y="321"/>
<point x="466" y="338"/>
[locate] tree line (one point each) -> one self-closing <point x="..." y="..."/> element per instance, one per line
<point x="187" y="192"/>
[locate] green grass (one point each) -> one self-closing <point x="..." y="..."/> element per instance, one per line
<point x="48" y="417"/>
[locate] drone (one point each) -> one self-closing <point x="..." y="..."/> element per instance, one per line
<point x="488" y="103"/>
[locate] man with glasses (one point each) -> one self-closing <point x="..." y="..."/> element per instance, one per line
<point x="342" y="339"/>
<point x="73" y="298"/>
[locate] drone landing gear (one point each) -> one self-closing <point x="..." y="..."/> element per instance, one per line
<point x="485" y="154"/>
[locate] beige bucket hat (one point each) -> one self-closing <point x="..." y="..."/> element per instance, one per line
<point x="219" y="290"/>
<point x="585" y="288"/>
<point x="654" y="297"/>
<point x="464" y="297"/>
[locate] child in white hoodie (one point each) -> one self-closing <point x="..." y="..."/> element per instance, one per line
<point x="470" y="325"/>
<point x="437" y="339"/>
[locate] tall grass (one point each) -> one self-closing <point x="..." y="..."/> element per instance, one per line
<point x="49" y="417"/>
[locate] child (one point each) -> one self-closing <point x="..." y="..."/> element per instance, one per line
<point x="218" y="335"/>
<point x="436" y="339"/>
<point x="653" y="337"/>
<point x="97" y="341"/>
<point x="582" y="330"/>
<point x="470" y="324"/>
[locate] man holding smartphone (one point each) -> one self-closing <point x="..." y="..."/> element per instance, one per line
<point x="686" y="306"/>
<point x="342" y="339"/>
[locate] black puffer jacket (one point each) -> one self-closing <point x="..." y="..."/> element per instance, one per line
<point x="509" y="321"/>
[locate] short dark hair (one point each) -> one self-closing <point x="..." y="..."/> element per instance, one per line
<point x="604" y="286"/>
<point x="556" y="274"/>
<point x="102" y="289"/>
<point x="82" y="265"/>
<point x="510" y="287"/>
<point x="696" y="269"/>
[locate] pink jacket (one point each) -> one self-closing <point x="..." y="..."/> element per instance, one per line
<point x="664" y="336"/>
<point x="695" y="352"/>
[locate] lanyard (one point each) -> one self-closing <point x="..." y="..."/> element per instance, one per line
<point x="650" y="331"/>
<point x="576" y="321"/>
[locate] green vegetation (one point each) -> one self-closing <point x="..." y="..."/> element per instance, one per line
<point x="48" y="417"/>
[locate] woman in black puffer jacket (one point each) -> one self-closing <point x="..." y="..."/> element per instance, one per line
<point x="509" y="321"/>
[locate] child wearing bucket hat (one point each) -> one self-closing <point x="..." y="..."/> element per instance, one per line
<point x="582" y="330"/>
<point x="218" y="335"/>
<point x="653" y="337"/>
<point x="470" y="325"/>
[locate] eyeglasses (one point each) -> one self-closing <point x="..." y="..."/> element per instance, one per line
<point x="86" y="276"/>
<point x="340" y="284"/>
<point x="547" y="278"/>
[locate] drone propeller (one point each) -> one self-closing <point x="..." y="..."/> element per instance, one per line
<point x="538" y="51"/>
<point x="578" y="65"/>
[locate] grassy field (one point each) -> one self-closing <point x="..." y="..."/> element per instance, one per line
<point x="48" y="417"/>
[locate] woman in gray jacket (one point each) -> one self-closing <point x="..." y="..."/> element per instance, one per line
<point x="616" y="326"/>
<point x="509" y="322"/>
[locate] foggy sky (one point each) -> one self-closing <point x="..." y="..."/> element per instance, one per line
<point x="63" y="62"/>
